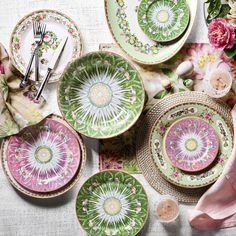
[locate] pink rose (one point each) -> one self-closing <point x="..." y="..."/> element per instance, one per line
<point x="162" y="128"/>
<point x="71" y="31"/>
<point x="39" y="18"/>
<point x="207" y="115"/>
<point x="176" y="174"/>
<point x="221" y="34"/>
<point x="17" y="46"/>
<point x="221" y="160"/>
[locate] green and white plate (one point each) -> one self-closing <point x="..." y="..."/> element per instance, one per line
<point x="123" y="23"/>
<point x="164" y="20"/>
<point x="175" y="175"/>
<point x="112" y="203"/>
<point x="101" y="95"/>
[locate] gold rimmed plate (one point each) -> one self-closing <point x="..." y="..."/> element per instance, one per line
<point x="191" y="143"/>
<point x="165" y="20"/>
<point x="58" y="26"/>
<point x="185" y="187"/>
<point x="53" y="192"/>
<point x="123" y="23"/>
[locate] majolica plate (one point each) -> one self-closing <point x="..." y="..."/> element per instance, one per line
<point x="123" y="23"/>
<point x="165" y="20"/>
<point x="44" y="157"/>
<point x="58" y="26"/>
<point x="51" y="194"/>
<point x="191" y="144"/>
<point x="112" y="203"/>
<point x="101" y="95"/>
<point x="175" y="175"/>
<point x="191" y="188"/>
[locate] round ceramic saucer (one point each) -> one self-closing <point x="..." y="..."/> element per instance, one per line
<point x="191" y="144"/>
<point x="112" y="203"/>
<point x="123" y="23"/>
<point x="44" y="157"/>
<point x="163" y="20"/>
<point x="45" y="195"/>
<point x="101" y="95"/>
<point x="174" y="113"/>
<point x="58" y="26"/>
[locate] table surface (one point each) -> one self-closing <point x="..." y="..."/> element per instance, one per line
<point x="23" y="216"/>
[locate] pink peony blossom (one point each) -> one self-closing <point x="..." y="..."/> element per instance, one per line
<point x="221" y="34"/>
<point x="206" y="58"/>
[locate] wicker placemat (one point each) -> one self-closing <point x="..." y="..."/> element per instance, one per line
<point x="144" y="158"/>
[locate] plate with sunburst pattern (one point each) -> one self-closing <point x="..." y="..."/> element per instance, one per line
<point x="191" y="144"/>
<point x="101" y="95"/>
<point x="112" y="203"/>
<point x="44" y="157"/>
<point x="164" y="20"/>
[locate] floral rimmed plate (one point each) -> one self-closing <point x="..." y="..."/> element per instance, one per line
<point x="146" y="163"/>
<point x="123" y="23"/>
<point x="45" y="158"/>
<point x="175" y="175"/>
<point x="191" y="144"/>
<point x="112" y="203"/>
<point x="101" y="95"/>
<point x="58" y="26"/>
<point x="164" y="20"/>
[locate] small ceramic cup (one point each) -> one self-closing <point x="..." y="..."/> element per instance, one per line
<point x="167" y="209"/>
<point x="218" y="83"/>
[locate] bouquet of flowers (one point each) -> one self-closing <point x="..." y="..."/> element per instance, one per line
<point x="221" y="22"/>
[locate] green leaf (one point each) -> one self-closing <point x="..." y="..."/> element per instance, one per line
<point x="168" y="72"/>
<point x="225" y="8"/>
<point x="230" y="52"/>
<point x="163" y="93"/>
<point x="214" y="9"/>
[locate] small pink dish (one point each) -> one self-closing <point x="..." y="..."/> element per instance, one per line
<point x="167" y="209"/>
<point x="44" y="157"/>
<point x="191" y="144"/>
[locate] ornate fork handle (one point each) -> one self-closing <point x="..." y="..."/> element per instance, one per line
<point x="24" y="82"/>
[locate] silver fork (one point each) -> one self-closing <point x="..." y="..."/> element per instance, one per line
<point x="38" y="31"/>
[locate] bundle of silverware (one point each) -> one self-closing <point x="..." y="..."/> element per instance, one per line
<point x="39" y="30"/>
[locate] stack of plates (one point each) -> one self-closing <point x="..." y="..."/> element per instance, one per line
<point x="151" y="31"/>
<point x="184" y="144"/>
<point x="44" y="160"/>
